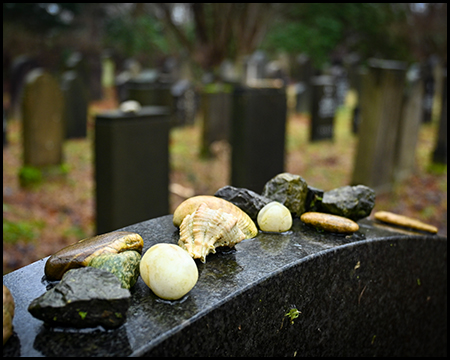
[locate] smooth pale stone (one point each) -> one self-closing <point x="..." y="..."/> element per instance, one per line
<point x="169" y="271"/>
<point x="274" y="217"/>
<point x="328" y="222"/>
<point x="406" y="221"/>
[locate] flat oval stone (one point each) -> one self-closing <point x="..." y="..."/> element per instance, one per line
<point x="328" y="222"/>
<point x="405" y="221"/>
<point x="81" y="253"/>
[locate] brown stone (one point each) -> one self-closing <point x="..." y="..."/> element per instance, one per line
<point x="328" y="222"/>
<point x="405" y="221"/>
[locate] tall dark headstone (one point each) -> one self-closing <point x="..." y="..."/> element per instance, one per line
<point x="428" y="94"/>
<point x="440" y="151"/>
<point x="381" y="107"/>
<point x="216" y="109"/>
<point x="131" y="167"/>
<point x="76" y="105"/>
<point x="43" y="125"/>
<point x="257" y="136"/>
<point x="303" y="73"/>
<point x="323" y="107"/>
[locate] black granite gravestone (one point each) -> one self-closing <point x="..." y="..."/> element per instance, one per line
<point x="131" y="167"/>
<point x="379" y="292"/>
<point x="323" y="107"/>
<point x="258" y="127"/>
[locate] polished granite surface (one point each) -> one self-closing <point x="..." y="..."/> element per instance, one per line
<point x="381" y="291"/>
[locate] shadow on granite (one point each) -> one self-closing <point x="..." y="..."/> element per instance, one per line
<point x="380" y="292"/>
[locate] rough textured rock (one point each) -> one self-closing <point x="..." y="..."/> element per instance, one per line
<point x="85" y="297"/>
<point x="290" y="190"/>
<point x="314" y="199"/>
<point x="353" y="202"/>
<point x="124" y="265"/>
<point x="245" y="199"/>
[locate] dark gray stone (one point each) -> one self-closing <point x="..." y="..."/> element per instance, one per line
<point x="314" y="199"/>
<point x="290" y="190"/>
<point x="245" y="199"/>
<point x="85" y="297"/>
<point x="323" y="107"/>
<point x="353" y="202"/>
<point x="379" y="292"/>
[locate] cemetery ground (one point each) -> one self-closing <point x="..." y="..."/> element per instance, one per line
<point x="59" y="210"/>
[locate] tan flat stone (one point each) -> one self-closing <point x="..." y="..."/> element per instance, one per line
<point x="328" y="222"/>
<point x="405" y="221"/>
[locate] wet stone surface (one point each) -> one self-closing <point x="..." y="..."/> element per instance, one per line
<point x="379" y="291"/>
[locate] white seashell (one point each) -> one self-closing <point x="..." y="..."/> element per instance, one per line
<point x="205" y="229"/>
<point x="168" y="271"/>
<point x="130" y="106"/>
<point x="274" y="217"/>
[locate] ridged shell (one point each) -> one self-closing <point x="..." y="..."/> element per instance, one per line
<point x="245" y="223"/>
<point x="205" y="229"/>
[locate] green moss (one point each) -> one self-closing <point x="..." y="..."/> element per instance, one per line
<point x="293" y="314"/>
<point x="82" y="314"/>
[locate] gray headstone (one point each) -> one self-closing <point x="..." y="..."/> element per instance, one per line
<point x="43" y="126"/>
<point x="76" y="105"/>
<point x="409" y="126"/>
<point x="381" y="106"/>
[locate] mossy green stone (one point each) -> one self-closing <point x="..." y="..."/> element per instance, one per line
<point x="124" y="265"/>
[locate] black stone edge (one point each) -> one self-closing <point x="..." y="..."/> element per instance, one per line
<point x="159" y="339"/>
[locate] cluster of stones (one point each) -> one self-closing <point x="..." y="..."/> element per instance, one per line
<point x="335" y="211"/>
<point x="96" y="275"/>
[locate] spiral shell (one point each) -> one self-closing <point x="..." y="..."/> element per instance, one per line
<point x="205" y="229"/>
<point x="245" y="223"/>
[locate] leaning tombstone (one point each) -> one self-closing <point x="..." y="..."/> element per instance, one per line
<point x="258" y="126"/>
<point x="76" y="105"/>
<point x="440" y="151"/>
<point x="43" y="125"/>
<point x="381" y="106"/>
<point x="131" y="166"/>
<point x="323" y="107"/>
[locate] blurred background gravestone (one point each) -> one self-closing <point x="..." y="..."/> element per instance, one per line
<point x="20" y="67"/>
<point x="429" y="84"/>
<point x="440" y="150"/>
<point x="409" y="126"/>
<point x="76" y="105"/>
<point x="43" y="125"/>
<point x="216" y="110"/>
<point x="381" y="107"/>
<point x="258" y="129"/>
<point x="131" y="167"/>
<point x="323" y="107"/>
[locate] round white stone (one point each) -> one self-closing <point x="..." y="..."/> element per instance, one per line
<point x="274" y="217"/>
<point x="169" y="271"/>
